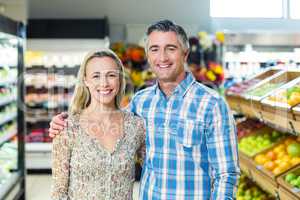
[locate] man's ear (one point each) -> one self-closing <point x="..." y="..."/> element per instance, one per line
<point x="186" y="54"/>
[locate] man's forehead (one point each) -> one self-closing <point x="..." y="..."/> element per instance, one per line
<point x="160" y="37"/>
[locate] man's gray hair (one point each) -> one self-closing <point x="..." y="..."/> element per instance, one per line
<point x="168" y="26"/>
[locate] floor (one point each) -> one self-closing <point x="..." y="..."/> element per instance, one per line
<point x="38" y="187"/>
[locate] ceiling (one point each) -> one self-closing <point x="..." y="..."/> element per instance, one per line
<point x="123" y="11"/>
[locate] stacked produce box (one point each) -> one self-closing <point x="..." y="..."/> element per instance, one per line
<point x="269" y="143"/>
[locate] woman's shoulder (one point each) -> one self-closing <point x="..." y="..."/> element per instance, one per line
<point x="136" y="122"/>
<point x="73" y="122"/>
<point x="131" y="117"/>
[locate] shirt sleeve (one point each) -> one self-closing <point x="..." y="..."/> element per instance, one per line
<point x="221" y="141"/>
<point x="131" y="106"/>
<point x="61" y="155"/>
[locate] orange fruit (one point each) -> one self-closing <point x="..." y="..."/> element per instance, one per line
<point x="269" y="165"/>
<point x="277" y="170"/>
<point x="271" y="155"/>
<point x="281" y="154"/>
<point x="286" y="158"/>
<point x="295" y="161"/>
<point x="284" y="166"/>
<point x="277" y="162"/>
<point x="260" y="159"/>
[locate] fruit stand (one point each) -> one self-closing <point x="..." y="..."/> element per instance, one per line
<point x="269" y="149"/>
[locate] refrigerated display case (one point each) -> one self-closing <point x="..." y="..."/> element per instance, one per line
<point x="12" y="126"/>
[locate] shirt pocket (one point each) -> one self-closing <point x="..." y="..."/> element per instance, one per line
<point x="190" y="132"/>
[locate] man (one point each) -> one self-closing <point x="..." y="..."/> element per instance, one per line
<point x="191" y="145"/>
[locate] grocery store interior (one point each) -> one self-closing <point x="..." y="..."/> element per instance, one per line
<point x="248" y="51"/>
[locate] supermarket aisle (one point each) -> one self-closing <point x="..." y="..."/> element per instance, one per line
<point x="38" y="187"/>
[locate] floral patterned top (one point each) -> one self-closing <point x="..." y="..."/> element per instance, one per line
<point x="84" y="170"/>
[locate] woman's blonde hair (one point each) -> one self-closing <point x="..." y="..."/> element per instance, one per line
<point x="82" y="97"/>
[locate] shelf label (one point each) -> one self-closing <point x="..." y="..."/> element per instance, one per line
<point x="295" y="190"/>
<point x="259" y="167"/>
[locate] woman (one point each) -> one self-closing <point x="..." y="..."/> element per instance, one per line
<point x="94" y="157"/>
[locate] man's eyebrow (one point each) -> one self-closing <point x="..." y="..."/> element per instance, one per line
<point x="153" y="46"/>
<point x="172" y="45"/>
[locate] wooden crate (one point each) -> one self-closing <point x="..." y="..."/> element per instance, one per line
<point x="250" y="108"/>
<point x="234" y="102"/>
<point x="245" y="164"/>
<point x="265" y="75"/>
<point x="266" y="172"/>
<point x="286" y="195"/>
<point x="264" y="181"/>
<point x="286" y="187"/>
<point x="282" y="77"/>
<point x="281" y="119"/>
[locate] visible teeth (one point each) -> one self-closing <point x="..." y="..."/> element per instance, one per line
<point x="164" y="66"/>
<point x="104" y="92"/>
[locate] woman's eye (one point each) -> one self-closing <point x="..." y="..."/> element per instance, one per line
<point x="96" y="76"/>
<point x="112" y="75"/>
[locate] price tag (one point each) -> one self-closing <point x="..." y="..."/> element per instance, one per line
<point x="259" y="167"/>
<point x="295" y="190"/>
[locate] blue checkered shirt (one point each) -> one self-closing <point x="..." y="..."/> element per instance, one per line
<point x="191" y="144"/>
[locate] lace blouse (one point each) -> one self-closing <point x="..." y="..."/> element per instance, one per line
<point x="82" y="169"/>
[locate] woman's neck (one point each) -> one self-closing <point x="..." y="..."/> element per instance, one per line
<point x="100" y="110"/>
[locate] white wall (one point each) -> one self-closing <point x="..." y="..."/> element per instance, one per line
<point x="129" y="18"/>
<point x="16" y="9"/>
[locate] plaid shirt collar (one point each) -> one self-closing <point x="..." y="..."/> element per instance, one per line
<point x="181" y="89"/>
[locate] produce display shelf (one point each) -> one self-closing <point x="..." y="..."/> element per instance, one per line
<point x="7" y="100"/>
<point x="278" y="81"/>
<point x="7" y="136"/>
<point x="8" y="118"/>
<point x="8" y="185"/>
<point x="285" y="120"/>
<point x="8" y="82"/>
<point x="286" y="195"/>
<point x="266" y="183"/>
<point x="38" y="147"/>
<point x="287" y="188"/>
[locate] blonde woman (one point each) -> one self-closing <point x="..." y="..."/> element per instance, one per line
<point x="94" y="156"/>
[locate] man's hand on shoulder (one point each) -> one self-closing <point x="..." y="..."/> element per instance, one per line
<point x="57" y="124"/>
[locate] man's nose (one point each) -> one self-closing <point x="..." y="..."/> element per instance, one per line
<point x="163" y="56"/>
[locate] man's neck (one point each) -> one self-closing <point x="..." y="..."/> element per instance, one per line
<point x="168" y="87"/>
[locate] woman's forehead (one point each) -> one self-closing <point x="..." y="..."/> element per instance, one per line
<point x="102" y="64"/>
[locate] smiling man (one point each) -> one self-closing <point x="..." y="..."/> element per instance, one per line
<point x="191" y="144"/>
<point x="191" y="139"/>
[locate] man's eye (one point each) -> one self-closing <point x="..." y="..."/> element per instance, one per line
<point x="154" y="50"/>
<point x="171" y="48"/>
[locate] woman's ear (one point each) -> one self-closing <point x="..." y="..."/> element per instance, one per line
<point x="85" y="82"/>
